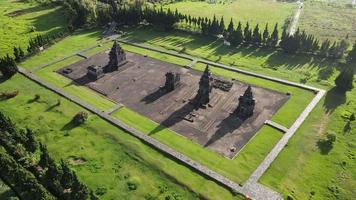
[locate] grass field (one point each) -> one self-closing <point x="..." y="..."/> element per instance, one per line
<point x="252" y="11"/>
<point x="16" y="30"/>
<point x="328" y="20"/>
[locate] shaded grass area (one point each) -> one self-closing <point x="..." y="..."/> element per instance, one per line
<point x="32" y="19"/>
<point x="237" y="169"/>
<point x="76" y="42"/>
<point x="308" y="168"/>
<point x="289" y="112"/>
<point x="298" y="68"/>
<point x="111" y="158"/>
<point x="253" y="11"/>
<point x="328" y="20"/>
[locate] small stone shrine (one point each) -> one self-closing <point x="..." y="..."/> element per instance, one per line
<point x="172" y="81"/>
<point x="95" y="72"/>
<point x="117" y="57"/>
<point x="205" y="87"/>
<point x="246" y="105"/>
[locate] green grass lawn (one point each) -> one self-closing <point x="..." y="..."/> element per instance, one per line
<point x="15" y="31"/>
<point x="113" y="158"/>
<point x="328" y="20"/>
<point x="253" y="11"/>
<point x="308" y="169"/>
<point x="237" y="169"/>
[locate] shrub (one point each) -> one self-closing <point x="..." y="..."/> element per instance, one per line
<point x="331" y="137"/>
<point x="80" y="117"/>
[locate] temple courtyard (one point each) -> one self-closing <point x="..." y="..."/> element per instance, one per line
<point x="140" y="82"/>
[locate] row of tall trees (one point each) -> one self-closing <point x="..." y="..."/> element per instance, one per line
<point x="300" y="42"/>
<point x="59" y="180"/>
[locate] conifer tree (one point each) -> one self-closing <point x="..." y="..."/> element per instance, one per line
<point x="344" y="81"/>
<point x="256" y="36"/>
<point x="230" y="29"/>
<point x="273" y="41"/>
<point x="221" y="28"/>
<point x="265" y="36"/>
<point x="247" y="33"/>
<point x="351" y="57"/>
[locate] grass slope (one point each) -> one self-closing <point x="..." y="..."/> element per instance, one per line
<point x="252" y="11"/>
<point x="308" y="168"/>
<point x="16" y="30"/>
<point x="328" y="20"/>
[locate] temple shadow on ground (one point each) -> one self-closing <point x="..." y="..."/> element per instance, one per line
<point x="69" y="126"/>
<point x="154" y="96"/>
<point x="228" y="125"/>
<point x="333" y="99"/>
<point x="175" y="117"/>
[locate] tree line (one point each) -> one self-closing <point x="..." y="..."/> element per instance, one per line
<point x="8" y="66"/>
<point x="32" y="176"/>
<point x="134" y="14"/>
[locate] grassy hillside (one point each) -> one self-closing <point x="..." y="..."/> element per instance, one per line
<point x="252" y="11"/>
<point x="328" y="20"/>
<point x="20" y="21"/>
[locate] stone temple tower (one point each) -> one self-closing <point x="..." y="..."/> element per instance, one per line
<point x="246" y="105"/>
<point x="205" y="87"/>
<point x="117" y="57"/>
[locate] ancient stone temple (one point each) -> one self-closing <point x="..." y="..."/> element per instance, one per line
<point x="95" y="72"/>
<point x="246" y="105"/>
<point x="172" y="81"/>
<point x="117" y="57"/>
<point x="205" y="87"/>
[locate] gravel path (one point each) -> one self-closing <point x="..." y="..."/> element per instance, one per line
<point x="295" y="20"/>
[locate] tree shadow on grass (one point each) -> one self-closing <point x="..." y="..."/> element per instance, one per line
<point x="333" y="99"/>
<point x="69" y="126"/>
<point x="324" y="146"/>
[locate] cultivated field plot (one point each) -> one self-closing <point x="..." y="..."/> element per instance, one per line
<point x="253" y="11"/>
<point x="328" y="20"/>
<point x="137" y="86"/>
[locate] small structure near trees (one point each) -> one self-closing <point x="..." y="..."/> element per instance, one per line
<point x="172" y="81"/>
<point x="246" y="105"/>
<point x="205" y="87"/>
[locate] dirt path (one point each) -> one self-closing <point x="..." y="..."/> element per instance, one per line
<point x="295" y="20"/>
